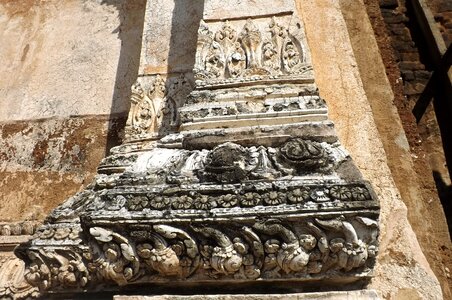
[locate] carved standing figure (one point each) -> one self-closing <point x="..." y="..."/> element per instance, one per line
<point x="251" y="40"/>
<point x="270" y="56"/>
<point x="236" y="61"/>
<point x="292" y="58"/>
<point x="215" y="61"/>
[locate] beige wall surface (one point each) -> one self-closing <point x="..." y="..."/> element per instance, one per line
<point x="66" y="58"/>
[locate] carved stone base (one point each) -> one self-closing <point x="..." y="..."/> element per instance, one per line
<point x="241" y="182"/>
<point x="351" y="295"/>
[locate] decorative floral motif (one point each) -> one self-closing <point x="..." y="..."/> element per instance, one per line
<point x="274" y="198"/>
<point x="138" y="203"/>
<point x="250" y="199"/>
<point x="182" y="202"/>
<point x="360" y="193"/>
<point x="160" y="202"/>
<point x="252" y="53"/>
<point x="228" y="200"/>
<point x="205" y="202"/>
<point x="320" y="195"/>
<point x="293" y="195"/>
<point x="341" y="193"/>
<point x="299" y="195"/>
<point x="155" y="103"/>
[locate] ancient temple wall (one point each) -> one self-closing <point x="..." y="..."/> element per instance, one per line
<point x="350" y="105"/>
<point x="67" y="67"/>
<point x="431" y="230"/>
<point x="81" y="59"/>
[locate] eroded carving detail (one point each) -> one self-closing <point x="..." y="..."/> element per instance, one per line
<point x="114" y="258"/>
<point x="255" y="52"/>
<point x="145" y="107"/>
<point x="242" y="197"/>
<point x="13" y="285"/>
<point x="300" y="155"/>
<point x="178" y="204"/>
<point x="155" y="105"/>
<point x="57" y="269"/>
<point x="263" y="249"/>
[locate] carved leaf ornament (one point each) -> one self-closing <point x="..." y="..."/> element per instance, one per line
<point x="252" y="52"/>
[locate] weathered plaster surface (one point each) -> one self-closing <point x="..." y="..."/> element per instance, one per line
<point x="61" y="62"/>
<point x="431" y="231"/>
<point x="64" y="58"/>
<point x="219" y="10"/>
<point x="44" y="162"/>
<point x="171" y="34"/>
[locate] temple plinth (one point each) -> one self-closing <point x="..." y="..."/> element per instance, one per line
<point x="231" y="175"/>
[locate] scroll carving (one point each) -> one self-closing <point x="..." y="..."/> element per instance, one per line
<point x="56" y="269"/>
<point x="263" y="249"/>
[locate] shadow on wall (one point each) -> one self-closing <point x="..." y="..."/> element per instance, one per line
<point x="445" y="195"/>
<point x="184" y="35"/>
<point x="185" y="21"/>
<point x="184" y="25"/>
<point x="129" y="31"/>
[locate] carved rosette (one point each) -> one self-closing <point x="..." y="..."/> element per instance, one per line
<point x="240" y="196"/>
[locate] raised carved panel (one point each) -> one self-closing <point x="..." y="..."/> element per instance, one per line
<point x="246" y="250"/>
<point x="255" y="49"/>
<point x="272" y="198"/>
<point x="155" y="103"/>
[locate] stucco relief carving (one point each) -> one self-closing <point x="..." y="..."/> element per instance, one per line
<point x="268" y="202"/>
<point x="56" y="269"/>
<point x="268" y="249"/>
<point x="12" y="282"/>
<point x="155" y="104"/>
<point x="249" y="51"/>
